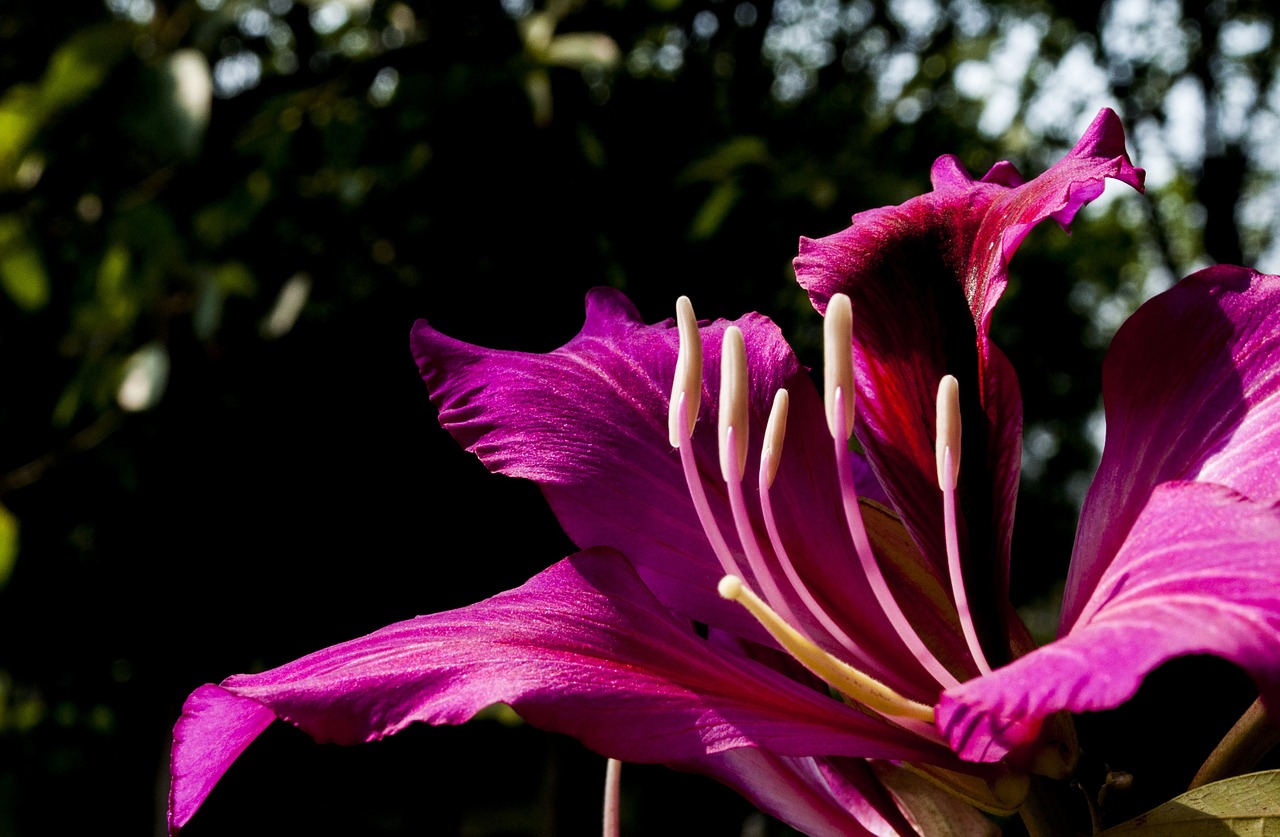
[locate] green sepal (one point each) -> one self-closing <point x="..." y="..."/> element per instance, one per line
<point x="1247" y="805"/>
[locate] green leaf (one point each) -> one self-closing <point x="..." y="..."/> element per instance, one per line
<point x="1248" y="806"/>
<point x="207" y="315"/>
<point x="8" y="544"/>
<point x="80" y="65"/>
<point x="77" y="68"/>
<point x="19" y="124"/>
<point x="22" y="273"/>
<point x="714" y="210"/>
<point x="234" y="279"/>
<point x="728" y="158"/>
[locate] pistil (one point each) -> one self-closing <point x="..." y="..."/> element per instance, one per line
<point x="841" y="676"/>
<point x="686" y="396"/>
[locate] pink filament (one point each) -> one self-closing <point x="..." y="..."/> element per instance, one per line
<point x="875" y="578"/>
<point x="802" y="590"/>
<point x="953" y="565"/>
<point x="694" y="480"/>
<point x="920" y="728"/>
<point x="755" y="557"/>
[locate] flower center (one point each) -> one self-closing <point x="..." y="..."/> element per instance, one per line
<point x="782" y="592"/>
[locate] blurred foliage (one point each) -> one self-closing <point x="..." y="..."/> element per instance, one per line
<point x="218" y="219"/>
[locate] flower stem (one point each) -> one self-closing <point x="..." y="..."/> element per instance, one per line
<point x="1241" y="748"/>
<point x="612" y="799"/>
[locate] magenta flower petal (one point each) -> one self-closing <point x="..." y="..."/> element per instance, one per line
<point x="1197" y="575"/>
<point x="1192" y="392"/>
<point x="577" y="649"/>
<point x="587" y="422"/>
<point x="217" y="726"/>
<point x="1179" y="539"/>
<point x="924" y="278"/>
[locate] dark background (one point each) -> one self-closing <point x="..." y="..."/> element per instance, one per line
<point x="483" y="166"/>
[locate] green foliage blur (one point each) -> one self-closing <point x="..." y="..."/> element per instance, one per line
<point x="218" y="219"/>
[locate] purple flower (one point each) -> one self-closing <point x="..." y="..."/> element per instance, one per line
<point x="820" y="638"/>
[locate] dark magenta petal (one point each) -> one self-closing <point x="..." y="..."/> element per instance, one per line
<point x="1197" y="575"/>
<point x="924" y="278"/>
<point x="583" y="648"/>
<point x="588" y="423"/>
<point x="1192" y="392"/>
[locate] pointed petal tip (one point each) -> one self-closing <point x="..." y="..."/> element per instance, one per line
<point x="602" y="301"/>
<point x="215" y="728"/>
<point x="946" y="171"/>
<point x="1105" y="137"/>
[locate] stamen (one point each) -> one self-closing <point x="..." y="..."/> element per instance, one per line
<point x="693" y="480"/>
<point x="837" y="363"/>
<point x="839" y="675"/>
<point x="734" y="412"/>
<point x="774" y="434"/>
<point x="687" y="387"/>
<point x="948" y="449"/>
<point x="871" y="569"/>
<point x="686" y="394"/>
<point x="733" y="403"/>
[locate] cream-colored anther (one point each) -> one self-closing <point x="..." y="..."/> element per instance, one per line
<point x="775" y="433"/>
<point x="841" y="676"/>
<point x="837" y="362"/>
<point x="733" y="402"/>
<point x="948" y="431"/>
<point x="688" y="379"/>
